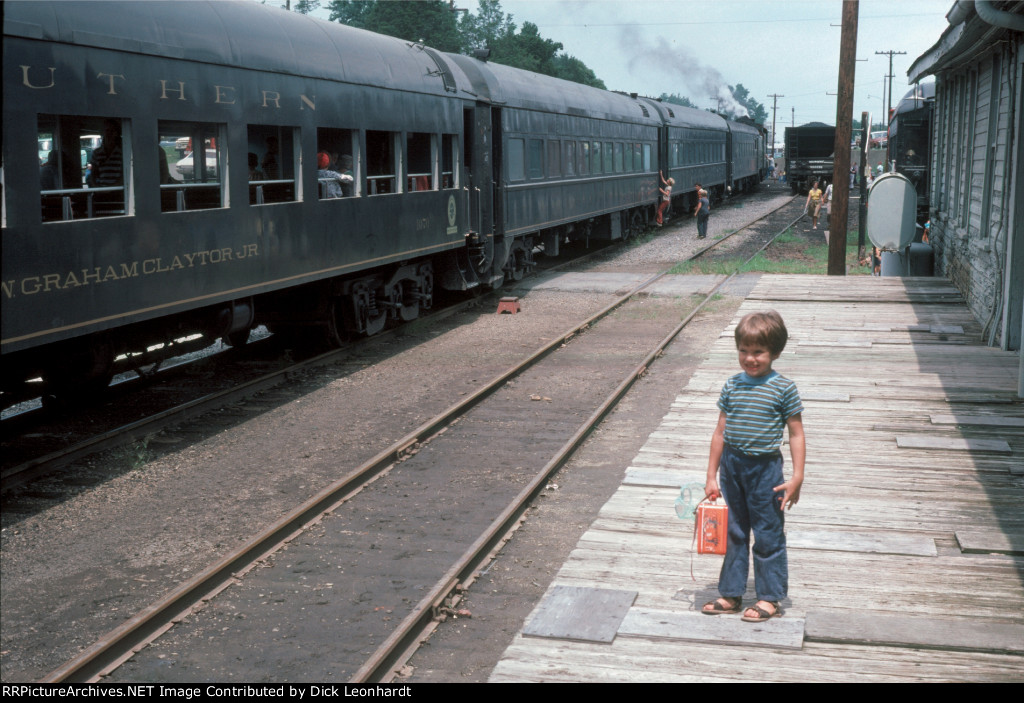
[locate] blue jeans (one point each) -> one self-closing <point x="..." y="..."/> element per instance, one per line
<point x="747" y="482"/>
<point x="702" y="226"/>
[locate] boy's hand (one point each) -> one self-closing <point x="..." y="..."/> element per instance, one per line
<point x="791" y="495"/>
<point x="711" y="490"/>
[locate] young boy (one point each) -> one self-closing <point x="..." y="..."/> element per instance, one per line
<point x="755" y="405"/>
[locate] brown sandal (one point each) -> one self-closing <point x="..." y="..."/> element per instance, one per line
<point x="762" y="614"/>
<point x="722" y="606"/>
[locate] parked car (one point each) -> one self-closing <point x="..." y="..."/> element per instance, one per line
<point x="186" y="168"/>
<point x="879" y="140"/>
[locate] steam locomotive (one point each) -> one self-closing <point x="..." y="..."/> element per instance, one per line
<point x="171" y="177"/>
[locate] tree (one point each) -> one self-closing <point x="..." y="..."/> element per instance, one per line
<point x="570" y="68"/>
<point x="429" y="21"/>
<point x="676" y="100"/>
<point x="756" y="111"/>
<point x="484" y="28"/>
<point x="527" y="50"/>
<point x="434" y="23"/>
<point x="306" y="6"/>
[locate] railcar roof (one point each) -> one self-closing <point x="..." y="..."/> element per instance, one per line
<point x="916" y="97"/>
<point x="232" y="33"/>
<point x="682" y="116"/>
<point x="742" y="127"/>
<point x="512" y="87"/>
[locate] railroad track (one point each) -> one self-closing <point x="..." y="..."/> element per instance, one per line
<point x="107" y="654"/>
<point x="38" y="464"/>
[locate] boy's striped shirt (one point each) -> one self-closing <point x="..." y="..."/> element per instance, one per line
<point x="756" y="410"/>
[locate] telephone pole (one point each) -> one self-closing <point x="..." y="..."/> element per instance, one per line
<point x="844" y="124"/>
<point x="775" y="104"/>
<point x="888" y="105"/>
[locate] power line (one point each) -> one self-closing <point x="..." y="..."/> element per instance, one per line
<point x="719" y="22"/>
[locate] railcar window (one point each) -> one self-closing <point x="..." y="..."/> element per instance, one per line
<point x="516" y="160"/>
<point x="638" y="163"/>
<point x="339" y="145"/>
<point x="554" y="158"/>
<point x="647" y="157"/>
<point x="595" y="158"/>
<point x="84" y="167"/>
<point x="570" y="158"/>
<point x="608" y="163"/>
<point x="420" y="155"/>
<point x="449" y="157"/>
<point x="381" y="162"/>
<point x="273" y="180"/>
<point x="191" y="163"/>
<point x="584" y="158"/>
<point x="618" y="157"/>
<point x="535" y="158"/>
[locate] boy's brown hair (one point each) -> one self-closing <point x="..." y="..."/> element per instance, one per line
<point x="763" y="328"/>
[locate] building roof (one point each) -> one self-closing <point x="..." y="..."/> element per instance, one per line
<point x="973" y="27"/>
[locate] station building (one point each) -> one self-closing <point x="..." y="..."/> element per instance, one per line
<point x="977" y="188"/>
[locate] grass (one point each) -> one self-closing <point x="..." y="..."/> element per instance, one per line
<point x="789" y="253"/>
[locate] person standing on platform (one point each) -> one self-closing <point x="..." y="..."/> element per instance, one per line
<point x="745" y="466"/>
<point x="703" y="212"/>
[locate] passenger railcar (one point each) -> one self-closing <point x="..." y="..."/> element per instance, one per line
<point x="910" y="138"/>
<point x="167" y="181"/>
<point x="694" y="150"/>
<point x="746" y="146"/>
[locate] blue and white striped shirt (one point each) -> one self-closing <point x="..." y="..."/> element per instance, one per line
<point x="756" y="410"/>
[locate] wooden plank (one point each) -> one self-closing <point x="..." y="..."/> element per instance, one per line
<point x="664" y="479"/>
<point x="825" y="396"/>
<point x="996" y="446"/>
<point x="980" y="420"/>
<point x="876" y="543"/>
<point x="581" y="614"/>
<point x="990" y="542"/>
<point x="852" y="343"/>
<point x="965" y="635"/>
<point x="779" y="633"/>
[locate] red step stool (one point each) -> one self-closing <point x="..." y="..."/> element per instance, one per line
<point x="509" y="305"/>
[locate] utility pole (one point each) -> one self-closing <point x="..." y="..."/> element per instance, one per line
<point x="775" y="104"/>
<point x="888" y="105"/>
<point x="844" y="125"/>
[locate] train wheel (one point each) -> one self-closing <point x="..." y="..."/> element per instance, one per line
<point x="335" y="334"/>
<point x="636" y="225"/>
<point x="238" y="338"/>
<point x="80" y="374"/>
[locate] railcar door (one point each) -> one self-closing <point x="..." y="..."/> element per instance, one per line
<point x="480" y="139"/>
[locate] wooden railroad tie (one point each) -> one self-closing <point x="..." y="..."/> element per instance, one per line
<point x="509" y="305"/>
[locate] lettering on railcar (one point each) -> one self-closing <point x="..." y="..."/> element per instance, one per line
<point x="48" y="282"/>
<point x="36" y="77"/>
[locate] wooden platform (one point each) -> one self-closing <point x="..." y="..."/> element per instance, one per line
<point x="906" y="549"/>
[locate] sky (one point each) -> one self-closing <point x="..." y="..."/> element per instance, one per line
<point x="784" y="47"/>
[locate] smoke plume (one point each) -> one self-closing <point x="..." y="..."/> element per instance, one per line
<point x="678" y="64"/>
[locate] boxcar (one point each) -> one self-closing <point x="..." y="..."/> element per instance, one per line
<point x="809" y="154"/>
